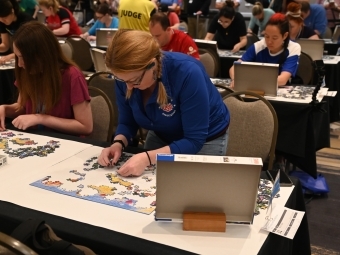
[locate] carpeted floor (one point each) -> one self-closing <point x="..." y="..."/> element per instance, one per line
<point x="323" y="212"/>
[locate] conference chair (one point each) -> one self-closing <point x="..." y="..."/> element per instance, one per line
<point x="224" y="91"/>
<point x="210" y="62"/>
<point x="11" y="246"/>
<point x="102" y="114"/>
<point x="305" y="69"/>
<point x="66" y="49"/>
<point x="183" y="26"/>
<point x="105" y="82"/>
<point x="81" y="53"/>
<point x="251" y="39"/>
<point x="328" y="33"/>
<point x="253" y="127"/>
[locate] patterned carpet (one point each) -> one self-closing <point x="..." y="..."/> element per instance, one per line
<point x="323" y="211"/>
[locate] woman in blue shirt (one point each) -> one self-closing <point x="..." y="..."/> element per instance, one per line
<point x="167" y="93"/>
<point x="104" y="20"/>
<point x="275" y="48"/>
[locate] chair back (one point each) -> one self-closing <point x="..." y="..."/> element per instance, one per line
<point x="102" y="114"/>
<point x="81" y="52"/>
<point x="253" y="127"/>
<point x="183" y="26"/>
<point x="66" y="49"/>
<point x="305" y="69"/>
<point x="210" y="61"/>
<point x="328" y="33"/>
<point x="251" y="39"/>
<point x="105" y="82"/>
<point x="224" y="91"/>
<point x="11" y="246"/>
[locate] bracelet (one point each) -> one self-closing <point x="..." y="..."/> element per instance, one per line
<point x="148" y="158"/>
<point x="121" y="142"/>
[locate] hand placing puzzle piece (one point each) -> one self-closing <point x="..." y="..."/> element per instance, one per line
<point x="3" y="160"/>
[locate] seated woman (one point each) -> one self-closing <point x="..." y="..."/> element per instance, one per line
<point x="259" y="17"/>
<point x="228" y="28"/>
<point x="11" y="18"/>
<point x="104" y="20"/>
<point x="59" y="19"/>
<point x="167" y="93"/>
<point x="52" y="90"/>
<point x="275" y="48"/>
<point x="297" y="29"/>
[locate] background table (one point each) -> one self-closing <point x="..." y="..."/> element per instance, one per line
<point x="103" y="240"/>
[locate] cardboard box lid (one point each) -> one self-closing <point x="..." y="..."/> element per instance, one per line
<point x="207" y="184"/>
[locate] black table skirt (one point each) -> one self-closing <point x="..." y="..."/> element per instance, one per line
<point x="104" y="241"/>
<point x="8" y="92"/>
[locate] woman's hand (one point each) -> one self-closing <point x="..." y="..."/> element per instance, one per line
<point x="26" y="120"/>
<point x="110" y="155"/>
<point x="2" y="118"/>
<point x="135" y="166"/>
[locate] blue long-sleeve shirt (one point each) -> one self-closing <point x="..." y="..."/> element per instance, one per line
<point x="98" y="24"/>
<point x="195" y="110"/>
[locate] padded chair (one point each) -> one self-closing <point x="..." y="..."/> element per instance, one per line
<point x="208" y="63"/>
<point x="224" y="91"/>
<point x="105" y="82"/>
<point x="102" y="114"/>
<point x="81" y="53"/>
<point x="305" y="69"/>
<point x="251" y="39"/>
<point x="328" y="34"/>
<point x="183" y="26"/>
<point x="211" y="62"/>
<point x="66" y="49"/>
<point x="253" y="127"/>
<point x="11" y="246"/>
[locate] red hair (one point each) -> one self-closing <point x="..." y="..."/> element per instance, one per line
<point x="294" y="12"/>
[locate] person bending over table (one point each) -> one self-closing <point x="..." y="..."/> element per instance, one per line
<point x="275" y="48"/>
<point x="228" y="28"/>
<point x="297" y="29"/>
<point x="170" y="39"/>
<point x="104" y="20"/>
<point x="59" y="19"/>
<point x="11" y="18"/>
<point x="52" y="90"/>
<point x="259" y="17"/>
<point x="167" y="93"/>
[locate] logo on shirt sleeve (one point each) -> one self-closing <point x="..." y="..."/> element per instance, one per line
<point x="191" y="50"/>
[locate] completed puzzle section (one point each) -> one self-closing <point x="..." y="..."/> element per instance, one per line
<point x="81" y="176"/>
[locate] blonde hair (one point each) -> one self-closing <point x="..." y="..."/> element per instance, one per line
<point x="133" y="50"/>
<point x="257" y="9"/>
<point x="50" y="3"/>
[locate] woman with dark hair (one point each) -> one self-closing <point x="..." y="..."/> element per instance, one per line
<point x="275" y="48"/>
<point x="297" y="29"/>
<point x="11" y="18"/>
<point x="104" y="20"/>
<point x="228" y="28"/>
<point x="52" y="90"/>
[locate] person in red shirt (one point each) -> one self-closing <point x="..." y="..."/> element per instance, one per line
<point x="170" y="39"/>
<point x="59" y="19"/>
<point x="172" y="16"/>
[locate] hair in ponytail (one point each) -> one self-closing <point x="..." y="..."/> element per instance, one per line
<point x="257" y="9"/>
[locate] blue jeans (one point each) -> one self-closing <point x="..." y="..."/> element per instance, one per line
<point x="217" y="147"/>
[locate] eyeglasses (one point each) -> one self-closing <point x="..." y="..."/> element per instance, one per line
<point x="139" y="81"/>
<point x="224" y="22"/>
<point x="100" y="17"/>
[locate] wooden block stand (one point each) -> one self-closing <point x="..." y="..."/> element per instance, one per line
<point x="204" y="221"/>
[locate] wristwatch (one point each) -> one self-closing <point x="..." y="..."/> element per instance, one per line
<point x="121" y="142"/>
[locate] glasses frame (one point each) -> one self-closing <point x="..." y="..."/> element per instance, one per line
<point x="148" y="67"/>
